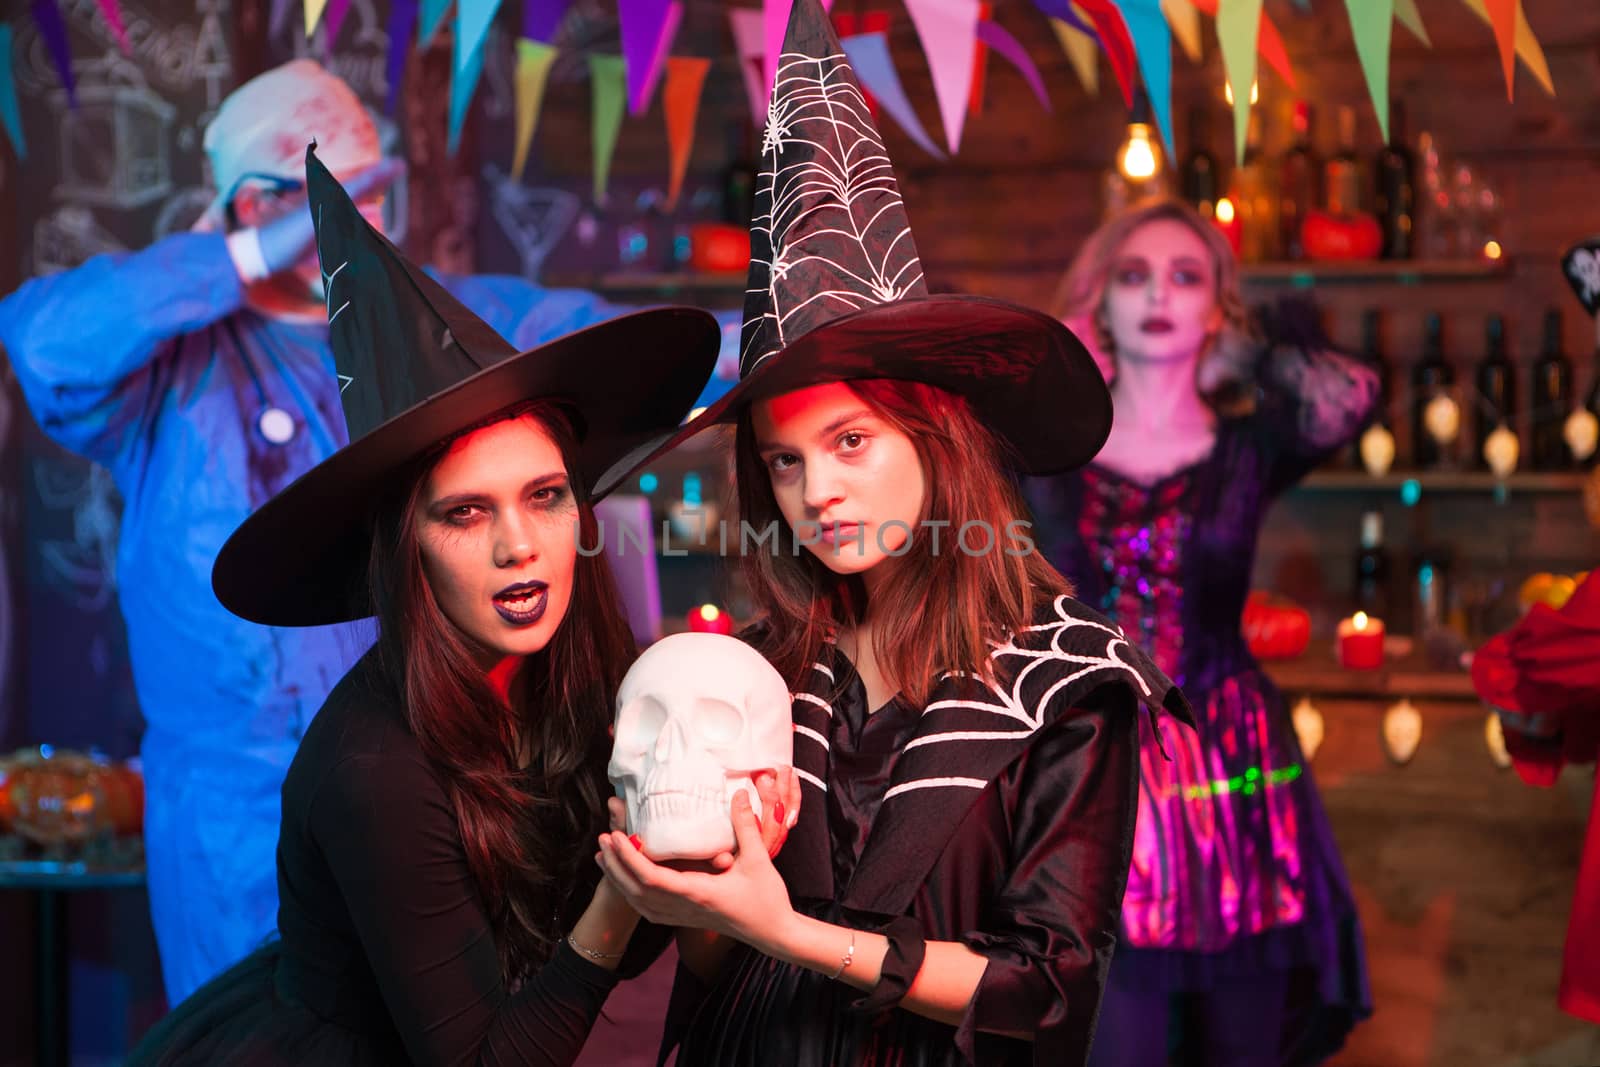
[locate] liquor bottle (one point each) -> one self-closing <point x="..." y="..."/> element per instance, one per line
<point x="1254" y="199"/>
<point x="1342" y="174"/>
<point x="1551" y="399"/>
<point x="1299" y="183"/>
<point x="1495" y="378"/>
<point x="1432" y="379"/>
<point x="1395" y="191"/>
<point x="1372" y="568"/>
<point x="739" y="179"/>
<point x="1201" y="184"/>
<point x="1372" y="353"/>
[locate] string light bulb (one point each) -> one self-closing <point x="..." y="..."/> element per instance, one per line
<point x="1139" y="158"/>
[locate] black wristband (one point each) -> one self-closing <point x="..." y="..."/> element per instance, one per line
<point x="907" y="947"/>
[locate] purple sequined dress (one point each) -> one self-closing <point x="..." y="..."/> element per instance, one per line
<point x="1235" y="871"/>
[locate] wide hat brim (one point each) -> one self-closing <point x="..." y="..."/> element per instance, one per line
<point x="301" y="559"/>
<point x="1027" y="377"/>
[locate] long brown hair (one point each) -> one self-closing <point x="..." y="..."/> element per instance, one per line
<point x="526" y="831"/>
<point x="954" y="601"/>
<point x="1081" y="294"/>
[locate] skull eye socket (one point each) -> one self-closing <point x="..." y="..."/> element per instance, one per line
<point x="639" y="723"/>
<point x="718" y="722"/>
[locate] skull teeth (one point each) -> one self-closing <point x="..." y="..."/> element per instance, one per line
<point x="688" y="802"/>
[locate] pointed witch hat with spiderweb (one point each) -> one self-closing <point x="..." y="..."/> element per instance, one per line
<point x="836" y="291"/>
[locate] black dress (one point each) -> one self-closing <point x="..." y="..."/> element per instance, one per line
<point x="385" y="954"/>
<point x="998" y="816"/>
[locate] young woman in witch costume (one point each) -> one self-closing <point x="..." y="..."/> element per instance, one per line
<point x="439" y="902"/>
<point x="965" y="731"/>
<point x="1238" y="926"/>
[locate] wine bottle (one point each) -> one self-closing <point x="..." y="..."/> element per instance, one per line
<point x="1372" y="353"/>
<point x="1551" y="399"/>
<point x="1342" y="174"/>
<point x="1495" y="378"/>
<point x="1431" y="379"/>
<point x="1299" y="184"/>
<point x="1372" y="568"/>
<point x="1200" y="183"/>
<point x="1395" y="191"/>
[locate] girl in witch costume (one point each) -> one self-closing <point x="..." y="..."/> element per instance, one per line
<point x="964" y="730"/>
<point x="438" y="903"/>
<point x="1238" y="925"/>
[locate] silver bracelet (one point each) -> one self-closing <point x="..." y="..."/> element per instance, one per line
<point x="849" y="958"/>
<point x="591" y="953"/>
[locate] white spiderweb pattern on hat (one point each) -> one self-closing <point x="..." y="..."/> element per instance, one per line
<point x="830" y="234"/>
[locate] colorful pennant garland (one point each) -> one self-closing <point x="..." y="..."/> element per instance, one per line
<point x="609" y="96"/>
<point x="10" y="112"/>
<point x="1184" y="18"/>
<point x="47" y="16"/>
<point x="996" y="37"/>
<point x="1372" y="22"/>
<point x="648" y="27"/>
<point x="1082" y="51"/>
<point x="680" y="99"/>
<point x="869" y="56"/>
<point x="533" y="71"/>
<point x="112" y="13"/>
<point x="1238" y="23"/>
<point x="948" y="30"/>
<point x="1152" y="44"/>
<point x="402" y="21"/>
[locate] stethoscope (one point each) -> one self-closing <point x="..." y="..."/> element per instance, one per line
<point x="275" y="425"/>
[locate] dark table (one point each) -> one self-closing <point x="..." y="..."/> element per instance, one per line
<point x="49" y="881"/>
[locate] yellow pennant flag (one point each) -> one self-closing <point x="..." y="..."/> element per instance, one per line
<point x="1184" y="18"/>
<point x="314" y="9"/>
<point x="1082" y="52"/>
<point x="1406" y="11"/>
<point x="533" y="70"/>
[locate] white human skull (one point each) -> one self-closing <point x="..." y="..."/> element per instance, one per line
<point x="697" y="716"/>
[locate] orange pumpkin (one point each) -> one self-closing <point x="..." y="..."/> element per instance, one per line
<point x="1275" y="627"/>
<point x="1334" y="237"/>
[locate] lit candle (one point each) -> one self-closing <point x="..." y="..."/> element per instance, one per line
<point x="1361" y="642"/>
<point x="710" y="619"/>
<point x="1227" y="220"/>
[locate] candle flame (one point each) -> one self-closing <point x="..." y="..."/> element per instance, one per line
<point x="1224" y="210"/>
<point x="709" y="612"/>
<point x="1360" y="620"/>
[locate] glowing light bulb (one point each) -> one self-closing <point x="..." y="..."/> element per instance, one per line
<point x="1136" y="159"/>
<point x="1492" y="250"/>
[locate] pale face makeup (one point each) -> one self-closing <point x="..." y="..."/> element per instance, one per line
<point x="1161" y="294"/>
<point x="497" y="526"/>
<point x="849" y="484"/>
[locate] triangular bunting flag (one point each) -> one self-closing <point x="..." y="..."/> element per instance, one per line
<point x="1406" y="11"/>
<point x="1184" y="18"/>
<point x="1503" y="19"/>
<point x="1527" y="45"/>
<point x="680" y="99"/>
<point x="533" y="71"/>
<point x="466" y="68"/>
<point x="433" y="13"/>
<point x="1238" y="23"/>
<point x="402" y="21"/>
<point x="542" y="18"/>
<point x="869" y="56"/>
<point x="1269" y="42"/>
<point x="332" y="19"/>
<point x="948" y="29"/>
<point x="648" y="27"/>
<point x="1083" y="52"/>
<point x="473" y="19"/>
<point x="313" y="14"/>
<point x="47" y="16"/>
<point x="996" y="37"/>
<point x="609" y="95"/>
<point x="1152" y="44"/>
<point x="1372" y="22"/>
<point x="750" y="41"/>
<point x="10" y="112"/>
<point x="112" y="13"/>
<point x="1114" y="39"/>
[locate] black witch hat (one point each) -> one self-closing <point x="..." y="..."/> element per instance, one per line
<point x="415" y="368"/>
<point x="836" y="291"/>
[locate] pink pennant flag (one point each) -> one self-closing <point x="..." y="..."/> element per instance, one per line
<point x="775" y="14"/>
<point x="948" y="30"/>
<point x="113" y="16"/>
<point x="648" y="27"/>
<point x="750" y="42"/>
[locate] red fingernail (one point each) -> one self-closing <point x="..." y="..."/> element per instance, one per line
<point x="777" y="811"/>
<point x="633" y="839"/>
